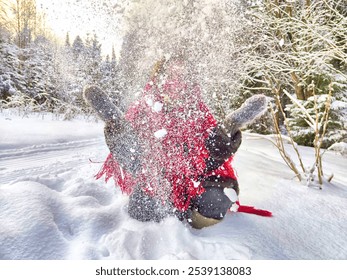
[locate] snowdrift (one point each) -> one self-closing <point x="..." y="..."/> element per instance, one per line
<point x="51" y="207"/>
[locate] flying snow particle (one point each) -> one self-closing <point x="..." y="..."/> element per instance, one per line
<point x="160" y="133"/>
<point x="281" y="42"/>
<point x="149" y="102"/>
<point x="157" y="107"/>
<point x="196" y="184"/>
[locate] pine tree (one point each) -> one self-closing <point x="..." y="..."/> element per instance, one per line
<point x="39" y="72"/>
<point x="67" y="40"/>
<point x="113" y="57"/>
<point x="78" y="47"/>
<point x="11" y="76"/>
<point x="93" y="59"/>
<point x="110" y="81"/>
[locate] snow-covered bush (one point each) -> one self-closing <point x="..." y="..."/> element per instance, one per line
<point x="296" y="43"/>
<point x="298" y="55"/>
<point x="303" y="134"/>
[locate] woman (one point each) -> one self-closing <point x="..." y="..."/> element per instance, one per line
<point x="168" y="152"/>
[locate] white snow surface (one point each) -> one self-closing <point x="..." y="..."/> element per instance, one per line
<point x="339" y="147"/>
<point x="51" y="206"/>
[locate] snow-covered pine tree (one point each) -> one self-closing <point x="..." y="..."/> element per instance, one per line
<point x="39" y="72"/>
<point x="130" y="81"/>
<point x="92" y="59"/>
<point x="78" y="47"/>
<point x="11" y="71"/>
<point x="336" y="130"/>
<point x="109" y="81"/>
<point x="67" y="40"/>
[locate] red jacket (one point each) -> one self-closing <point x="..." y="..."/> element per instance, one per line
<point x="173" y="124"/>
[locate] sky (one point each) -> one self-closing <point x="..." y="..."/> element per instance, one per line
<point x="82" y="17"/>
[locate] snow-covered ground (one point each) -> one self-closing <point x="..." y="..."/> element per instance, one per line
<point x="51" y="207"/>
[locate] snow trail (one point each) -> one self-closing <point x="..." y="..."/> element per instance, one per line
<point x="18" y="163"/>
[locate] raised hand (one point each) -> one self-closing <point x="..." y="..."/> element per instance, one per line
<point x="119" y="135"/>
<point x="252" y="109"/>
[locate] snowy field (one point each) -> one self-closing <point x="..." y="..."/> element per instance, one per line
<point x="51" y="207"/>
